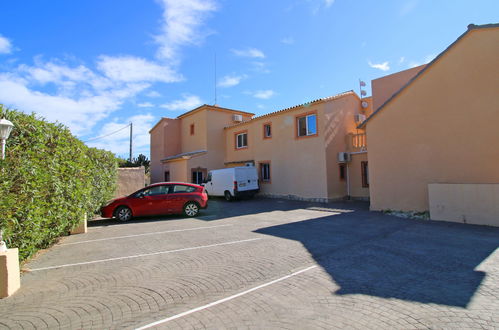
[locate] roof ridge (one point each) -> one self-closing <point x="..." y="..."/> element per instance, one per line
<point x="327" y="98"/>
<point x="429" y="65"/>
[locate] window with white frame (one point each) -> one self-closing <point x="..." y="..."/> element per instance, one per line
<point x="307" y="125"/>
<point x="241" y="140"/>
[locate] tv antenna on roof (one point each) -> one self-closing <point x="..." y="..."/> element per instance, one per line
<point x="215" y="82"/>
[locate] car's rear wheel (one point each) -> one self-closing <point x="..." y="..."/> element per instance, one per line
<point x="123" y="213"/>
<point x="228" y="196"/>
<point x="191" y="209"/>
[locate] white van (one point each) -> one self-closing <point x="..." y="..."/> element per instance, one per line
<point x="232" y="182"/>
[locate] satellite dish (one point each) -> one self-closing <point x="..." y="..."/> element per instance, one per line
<point x="364" y="104"/>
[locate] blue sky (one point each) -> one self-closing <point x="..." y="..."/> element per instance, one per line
<point x="97" y="65"/>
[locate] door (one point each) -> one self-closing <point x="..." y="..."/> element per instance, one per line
<point x="178" y="196"/>
<point x="208" y="186"/>
<point x="151" y="201"/>
<point x="198" y="175"/>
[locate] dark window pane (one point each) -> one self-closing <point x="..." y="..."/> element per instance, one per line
<point x="268" y="131"/>
<point x="302" y="126"/>
<point x="183" y="189"/>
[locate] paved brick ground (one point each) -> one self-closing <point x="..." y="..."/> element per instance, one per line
<point x="371" y="271"/>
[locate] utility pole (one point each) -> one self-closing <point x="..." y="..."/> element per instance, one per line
<point x="131" y="132"/>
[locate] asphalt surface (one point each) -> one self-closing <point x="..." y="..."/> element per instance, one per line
<point x="264" y="263"/>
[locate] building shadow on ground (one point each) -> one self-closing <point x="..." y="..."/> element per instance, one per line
<point x="378" y="255"/>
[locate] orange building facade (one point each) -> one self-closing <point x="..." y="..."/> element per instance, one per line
<point x="438" y="125"/>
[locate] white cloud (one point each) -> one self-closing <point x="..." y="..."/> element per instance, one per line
<point x="328" y="3"/>
<point x="249" y="52"/>
<point x="79" y="114"/>
<point x="408" y="7"/>
<point x="231" y="80"/>
<point x="181" y="25"/>
<point x="425" y="60"/>
<point x="119" y="141"/>
<point x="288" y="40"/>
<point x="5" y="45"/>
<point x="132" y="69"/>
<point x="402" y="60"/>
<point x="188" y="102"/>
<point x="264" y="94"/>
<point x="380" y="66"/>
<point x="260" y="67"/>
<point x="66" y="78"/>
<point x="145" y="105"/>
<point x="153" y="94"/>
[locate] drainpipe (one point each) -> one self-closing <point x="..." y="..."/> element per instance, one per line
<point x="348" y="182"/>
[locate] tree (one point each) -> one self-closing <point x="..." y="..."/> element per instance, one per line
<point x="141" y="160"/>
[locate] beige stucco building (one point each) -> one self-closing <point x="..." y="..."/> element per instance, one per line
<point x="302" y="162"/>
<point x="185" y="148"/>
<point x="436" y="124"/>
<point x="295" y="150"/>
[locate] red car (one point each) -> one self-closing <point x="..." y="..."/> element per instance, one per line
<point x="156" y="199"/>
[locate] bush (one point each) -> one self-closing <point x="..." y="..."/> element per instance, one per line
<point x="49" y="180"/>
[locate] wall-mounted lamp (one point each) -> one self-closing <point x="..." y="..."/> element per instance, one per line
<point x="5" y="129"/>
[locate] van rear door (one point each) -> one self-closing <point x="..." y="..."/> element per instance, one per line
<point x="247" y="178"/>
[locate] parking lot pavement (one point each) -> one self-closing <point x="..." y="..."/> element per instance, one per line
<point x="264" y="263"/>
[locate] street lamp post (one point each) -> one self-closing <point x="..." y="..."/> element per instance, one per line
<point x="5" y="129"/>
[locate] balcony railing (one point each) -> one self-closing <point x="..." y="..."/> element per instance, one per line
<point x="359" y="141"/>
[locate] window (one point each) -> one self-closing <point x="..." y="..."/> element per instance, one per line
<point x="167" y="176"/>
<point x="267" y="131"/>
<point x="192" y="129"/>
<point x="156" y="190"/>
<point x="241" y="140"/>
<point x="265" y="172"/>
<point x="198" y="174"/>
<point x="342" y="171"/>
<point x="307" y="125"/>
<point x="365" y="174"/>
<point x="180" y="188"/>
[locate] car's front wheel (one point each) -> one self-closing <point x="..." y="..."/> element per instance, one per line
<point x="191" y="209"/>
<point x="123" y="213"/>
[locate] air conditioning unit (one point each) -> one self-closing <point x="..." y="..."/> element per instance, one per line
<point x="238" y="118"/>
<point x="359" y="118"/>
<point x="344" y="157"/>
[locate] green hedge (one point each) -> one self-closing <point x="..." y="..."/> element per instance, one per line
<point x="48" y="181"/>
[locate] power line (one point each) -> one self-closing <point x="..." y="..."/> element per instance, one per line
<point x="106" y="135"/>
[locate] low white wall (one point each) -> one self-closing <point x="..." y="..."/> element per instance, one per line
<point x="465" y="203"/>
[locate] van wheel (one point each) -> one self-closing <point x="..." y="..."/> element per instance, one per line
<point x="228" y="196"/>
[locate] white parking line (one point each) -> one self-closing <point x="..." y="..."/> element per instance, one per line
<point x="150" y="325"/>
<point x="145" y="234"/>
<point x="144" y="255"/>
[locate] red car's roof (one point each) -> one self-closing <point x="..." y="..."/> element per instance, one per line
<point x="174" y="182"/>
